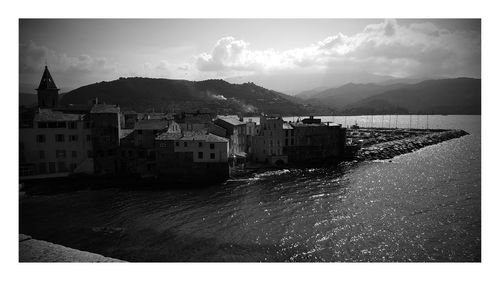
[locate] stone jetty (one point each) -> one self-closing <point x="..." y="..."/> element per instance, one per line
<point x="390" y="149"/>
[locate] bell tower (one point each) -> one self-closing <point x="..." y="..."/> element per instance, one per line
<point x="48" y="93"/>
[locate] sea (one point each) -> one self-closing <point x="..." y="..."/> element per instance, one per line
<point x="424" y="206"/>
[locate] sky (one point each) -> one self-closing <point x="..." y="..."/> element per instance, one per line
<point x="288" y="55"/>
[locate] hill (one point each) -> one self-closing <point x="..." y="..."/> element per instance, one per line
<point x="147" y="94"/>
<point x="338" y="98"/>
<point x="444" y="96"/>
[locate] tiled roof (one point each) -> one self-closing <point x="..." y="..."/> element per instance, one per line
<point x="152" y="124"/>
<point x="125" y="132"/>
<point x="231" y="119"/>
<point x="49" y="115"/>
<point x="191" y="135"/>
<point x="105" y="108"/>
<point x="169" y="136"/>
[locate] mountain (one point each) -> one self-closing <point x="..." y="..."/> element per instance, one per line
<point x="294" y="82"/>
<point x="309" y="93"/>
<point x="147" y="94"/>
<point x="444" y="96"/>
<point x="338" y="98"/>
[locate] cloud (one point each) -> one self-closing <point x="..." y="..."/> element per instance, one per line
<point x="385" y="48"/>
<point x="33" y="57"/>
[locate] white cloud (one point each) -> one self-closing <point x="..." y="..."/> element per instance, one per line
<point x="385" y="48"/>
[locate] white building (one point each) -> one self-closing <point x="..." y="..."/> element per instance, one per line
<point x="57" y="144"/>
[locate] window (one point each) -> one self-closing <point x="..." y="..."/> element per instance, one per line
<point x="52" y="167"/>
<point x="60" y="154"/>
<point x="72" y="166"/>
<point x="176" y="143"/>
<point x="72" y="125"/>
<point x="61" y="124"/>
<point x="89" y="138"/>
<point x="59" y="138"/>
<point x="42" y="168"/>
<point x="163" y="144"/>
<point x="52" y="125"/>
<point x="139" y="132"/>
<point x="130" y="153"/>
<point x="185" y="144"/>
<point x="89" y="154"/>
<point x="73" y="138"/>
<point x="87" y="125"/>
<point x="200" y="144"/>
<point x="42" y="124"/>
<point x="40" y="138"/>
<point x="73" y="154"/>
<point x="200" y="155"/>
<point x="212" y="146"/>
<point x="42" y="154"/>
<point x="291" y="142"/>
<point x="212" y="155"/>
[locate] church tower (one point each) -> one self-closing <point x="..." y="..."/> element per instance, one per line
<point x="48" y="93"/>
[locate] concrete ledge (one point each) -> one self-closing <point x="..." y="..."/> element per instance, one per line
<point x="32" y="250"/>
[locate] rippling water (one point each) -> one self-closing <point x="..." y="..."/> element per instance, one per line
<point x="422" y="206"/>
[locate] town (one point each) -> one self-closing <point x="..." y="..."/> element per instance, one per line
<point x="99" y="139"/>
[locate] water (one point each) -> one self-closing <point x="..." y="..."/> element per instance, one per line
<point x="422" y="206"/>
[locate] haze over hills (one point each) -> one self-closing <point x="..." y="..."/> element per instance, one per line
<point x="146" y="94"/>
<point x="444" y="96"/>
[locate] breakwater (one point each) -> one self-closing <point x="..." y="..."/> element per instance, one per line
<point x="390" y="149"/>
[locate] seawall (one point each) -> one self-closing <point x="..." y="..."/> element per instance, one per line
<point x="32" y="250"/>
<point x="390" y="149"/>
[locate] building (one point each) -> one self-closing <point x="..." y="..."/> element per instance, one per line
<point x="57" y="144"/>
<point x="235" y="132"/>
<point x="106" y="132"/>
<point x="138" y="146"/>
<point x="192" y="156"/>
<point x="312" y="140"/>
<point x="194" y="121"/>
<point x="268" y="142"/>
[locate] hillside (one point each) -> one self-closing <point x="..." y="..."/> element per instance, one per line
<point x="444" y="96"/>
<point x="147" y="94"/>
<point x="338" y="98"/>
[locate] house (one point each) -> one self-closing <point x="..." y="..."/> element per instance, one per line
<point x="58" y="144"/>
<point x="138" y="149"/>
<point x="312" y="140"/>
<point x="106" y="131"/>
<point x="268" y="142"/>
<point x="235" y="132"/>
<point x="192" y="156"/>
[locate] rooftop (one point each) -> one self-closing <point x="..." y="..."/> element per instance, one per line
<point x="231" y="119"/>
<point x="191" y="135"/>
<point x="47" y="83"/>
<point x="105" y="108"/>
<point x="50" y="115"/>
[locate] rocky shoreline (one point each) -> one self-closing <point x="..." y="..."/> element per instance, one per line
<point x="390" y="149"/>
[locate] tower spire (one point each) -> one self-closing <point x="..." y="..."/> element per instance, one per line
<point x="48" y="93"/>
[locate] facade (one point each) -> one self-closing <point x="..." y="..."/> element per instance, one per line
<point x="57" y="143"/>
<point x="235" y="132"/>
<point x="193" y="156"/>
<point x="311" y="140"/>
<point x="138" y="146"/>
<point x="106" y="131"/>
<point x="269" y="140"/>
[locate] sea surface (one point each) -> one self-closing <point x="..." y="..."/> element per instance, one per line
<point x="421" y="206"/>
